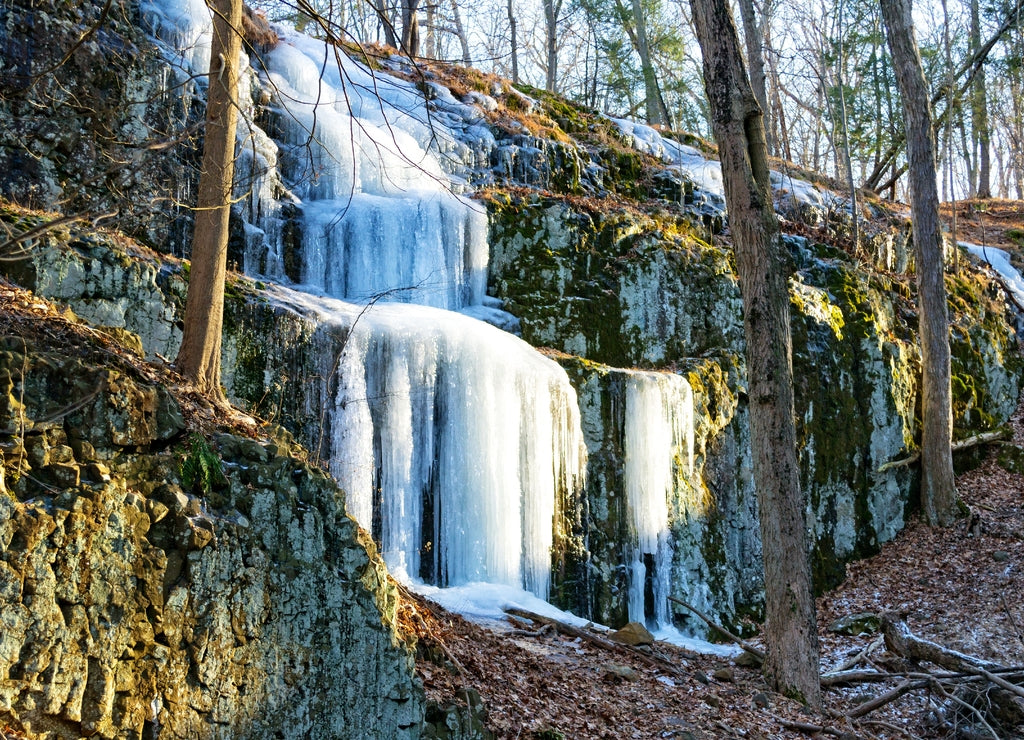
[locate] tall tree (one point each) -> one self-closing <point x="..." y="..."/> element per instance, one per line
<point x="790" y="632"/>
<point x="938" y="491"/>
<point x="979" y="112"/>
<point x="654" y="105"/>
<point x="460" y="32"/>
<point x="385" y="22"/>
<point x="753" y="36"/>
<point x="552" y="11"/>
<point x="411" y="27"/>
<point x="513" y="41"/>
<point x="199" y="356"/>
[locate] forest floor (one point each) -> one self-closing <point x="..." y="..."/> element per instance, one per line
<point x="961" y="587"/>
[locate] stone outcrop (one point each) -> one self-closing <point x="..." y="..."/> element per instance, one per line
<point x="88" y="117"/>
<point x="626" y="290"/>
<point x="247" y="605"/>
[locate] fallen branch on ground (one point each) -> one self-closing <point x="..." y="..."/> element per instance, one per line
<point x="963" y="669"/>
<point x="587" y="636"/>
<point x="747" y="647"/>
<point x="963" y="444"/>
<point x="812" y="729"/>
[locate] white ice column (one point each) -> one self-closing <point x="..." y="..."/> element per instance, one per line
<point x="658" y="457"/>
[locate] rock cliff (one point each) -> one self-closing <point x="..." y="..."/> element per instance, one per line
<point x="154" y="585"/>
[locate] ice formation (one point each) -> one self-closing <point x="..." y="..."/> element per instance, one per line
<point x="706" y="174"/>
<point x="658" y="444"/>
<point x="999" y="261"/>
<point x="451" y="437"/>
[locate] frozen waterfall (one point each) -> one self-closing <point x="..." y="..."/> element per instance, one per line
<point x="451" y="438"/>
<point x="658" y="461"/>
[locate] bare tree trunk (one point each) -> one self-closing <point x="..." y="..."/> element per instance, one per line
<point x="979" y="112"/>
<point x="410" y="27"/>
<point x="513" y="42"/>
<point x="754" y="41"/>
<point x="430" y="46"/>
<point x="199" y="356"/>
<point x="552" y="9"/>
<point x="847" y="163"/>
<point x="384" y="19"/>
<point x="1017" y="127"/>
<point x="938" y="491"/>
<point x="778" y="120"/>
<point x="655" y="106"/>
<point x="968" y="70"/>
<point x="460" y="31"/>
<point x="791" y="665"/>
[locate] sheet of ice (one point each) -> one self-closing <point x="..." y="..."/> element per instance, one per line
<point x="185" y="27"/>
<point x="379" y="213"/>
<point x="999" y="261"/>
<point x="675" y="637"/>
<point x="706" y="174"/>
<point x="486" y="603"/>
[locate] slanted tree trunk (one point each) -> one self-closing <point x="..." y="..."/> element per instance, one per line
<point x="384" y="20"/>
<point x="657" y="113"/>
<point x="199" y="356"/>
<point x="938" y="491"/>
<point x="460" y="31"/>
<point x="754" y="41"/>
<point x="791" y="665"/>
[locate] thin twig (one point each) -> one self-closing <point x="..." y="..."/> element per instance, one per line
<point x="940" y="689"/>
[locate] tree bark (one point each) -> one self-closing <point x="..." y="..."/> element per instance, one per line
<point x="384" y="19"/>
<point x="938" y="491"/>
<point x="410" y="27"/>
<point x="199" y="356"/>
<point x="979" y="112"/>
<point x="969" y="69"/>
<point x="513" y="42"/>
<point x="754" y="40"/>
<point x="460" y="31"/>
<point x="552" y="9"/>
<point x="791" y="664"/>
<point x="655" y="106"/>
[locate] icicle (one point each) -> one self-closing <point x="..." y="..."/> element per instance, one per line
<point x="438" y="407"/>
<point x="451" y="438"/>
<point x="658" y="441"/>
<point x="379" y="216"/>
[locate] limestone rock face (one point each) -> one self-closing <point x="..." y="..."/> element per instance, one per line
<point x="106" y="285"/>
<point x="132" y="606"/>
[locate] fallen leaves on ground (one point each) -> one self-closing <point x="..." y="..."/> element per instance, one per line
<point x="962" y="587"/>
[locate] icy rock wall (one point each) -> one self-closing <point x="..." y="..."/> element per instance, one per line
<point x="452" y="438"/>
<point x="90" y="131"/>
